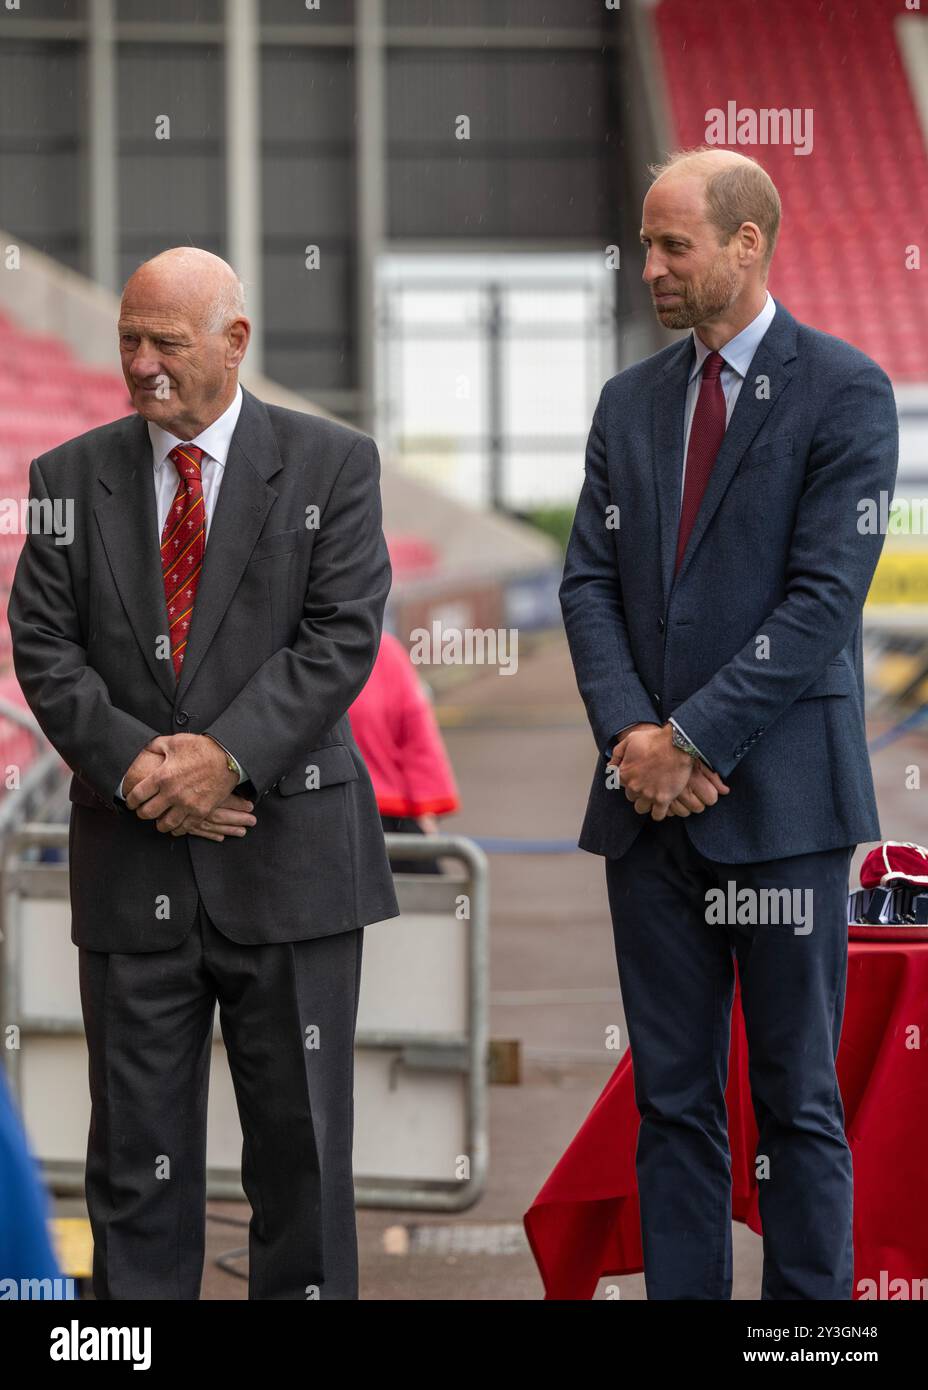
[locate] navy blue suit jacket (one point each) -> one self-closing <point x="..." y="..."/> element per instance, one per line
<point x="755" y="645"/>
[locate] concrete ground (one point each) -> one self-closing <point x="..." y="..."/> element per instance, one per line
<point x="523" y="754"/>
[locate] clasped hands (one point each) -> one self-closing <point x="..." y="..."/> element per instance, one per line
<point x="663" y="779"/>
<point x="183" y="783"/>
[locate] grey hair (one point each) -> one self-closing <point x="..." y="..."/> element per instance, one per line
<point x="228" y="304"/>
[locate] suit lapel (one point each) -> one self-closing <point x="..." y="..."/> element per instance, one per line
<point x="668" y="399"/>
<point x="128" y="524"/>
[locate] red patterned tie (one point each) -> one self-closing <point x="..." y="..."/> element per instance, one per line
<point x="706" y="434"/>
<point x="182" y="544"/>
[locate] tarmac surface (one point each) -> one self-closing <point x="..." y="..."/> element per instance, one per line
<point x="523" y="754"/>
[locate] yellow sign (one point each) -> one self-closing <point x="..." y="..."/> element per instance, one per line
<point x="73" y="1243"/>
<point x="901" y="578"/>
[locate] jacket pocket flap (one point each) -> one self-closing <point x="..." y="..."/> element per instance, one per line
<point x="836" y="679"/>
<point x="276" y="544"/>
<point x="772" y="451"/>
<point x="85" y="796"/>
<point x="321" y="768"/>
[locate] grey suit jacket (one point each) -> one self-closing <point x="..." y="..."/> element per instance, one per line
<point x="755" y="645"/>
<point x="285" y="631"/>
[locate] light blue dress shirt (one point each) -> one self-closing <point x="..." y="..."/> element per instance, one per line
<point x="736" y="356"/>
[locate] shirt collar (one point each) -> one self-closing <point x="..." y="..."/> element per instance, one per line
<point x="214" y="440"/>
<point x="738" y="351"/>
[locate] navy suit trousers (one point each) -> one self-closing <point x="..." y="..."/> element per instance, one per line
<point x="676" y="968"/>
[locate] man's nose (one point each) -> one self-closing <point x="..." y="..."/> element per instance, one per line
<point x="144" y="366"/>
<point x="653" y="269"/>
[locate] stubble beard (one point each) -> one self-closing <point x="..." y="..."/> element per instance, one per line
<point x="707" y="300"/>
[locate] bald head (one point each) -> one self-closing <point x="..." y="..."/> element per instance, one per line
<point x="182" y="336"/>
<point x="189" y="275"/>
<point x="701" y="163"/>
<point x="710" y="224"/>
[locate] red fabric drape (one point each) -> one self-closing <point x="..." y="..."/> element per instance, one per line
<point x="585" y="1221"/>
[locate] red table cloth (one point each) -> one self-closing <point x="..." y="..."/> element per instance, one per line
<point x="585" y="1221"/>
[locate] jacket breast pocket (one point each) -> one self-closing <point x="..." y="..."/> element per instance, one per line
<point x="324" y="767"/>
<point x="836" y="679"/>
<point x="280" y="543"/>
<point x="766" y="455"/>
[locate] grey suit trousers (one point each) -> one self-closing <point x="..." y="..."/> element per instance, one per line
<point x="288" y="1013"/>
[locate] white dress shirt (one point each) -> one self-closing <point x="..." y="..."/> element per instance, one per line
<point x="214" y="441"/>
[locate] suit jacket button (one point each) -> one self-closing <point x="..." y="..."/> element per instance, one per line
<point x="181" y="717"/>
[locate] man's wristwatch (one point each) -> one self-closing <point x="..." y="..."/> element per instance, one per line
<point x="231" y="764"/>
<point x="679" y="740"/>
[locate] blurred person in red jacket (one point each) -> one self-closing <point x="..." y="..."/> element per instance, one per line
<point x="396" y="730"/>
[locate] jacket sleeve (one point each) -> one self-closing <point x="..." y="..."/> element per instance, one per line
<point x="291" y="701"/>
<point x="832" y="558"/>
<point x="591" y="603"/>
<point x="68" y="698"/>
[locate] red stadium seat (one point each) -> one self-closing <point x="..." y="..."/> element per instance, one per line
<point x="853" y="204"/>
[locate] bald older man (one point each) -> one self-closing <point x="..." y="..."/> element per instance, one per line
<point x="712" y="597"/>
<point x="192" y="656"/>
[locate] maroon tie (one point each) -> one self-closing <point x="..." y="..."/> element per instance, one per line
<point x="706" y="434"/>
<point x="182" y="544"/>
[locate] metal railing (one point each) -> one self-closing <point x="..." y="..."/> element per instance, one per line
<point x="26" y="877"/>
<point x="43" y="768"/>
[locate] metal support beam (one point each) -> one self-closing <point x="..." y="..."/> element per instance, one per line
<point x="467" y="38"/>
<point x="102" y="153"/>
<point x="243" y="165"/>
<point x="370" y="171"/>
<point x="495" y="397"/>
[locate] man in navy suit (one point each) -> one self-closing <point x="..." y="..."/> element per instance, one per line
<point x="712" y="595"/>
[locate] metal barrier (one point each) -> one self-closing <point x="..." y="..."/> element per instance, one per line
<point x="462" y="1049"/>
<point x="400" y="1070"/>
<point x="25" y="744"/>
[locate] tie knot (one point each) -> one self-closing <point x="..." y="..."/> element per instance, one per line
<point x="712" y="366"/>
<point x="186" y="459"/>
